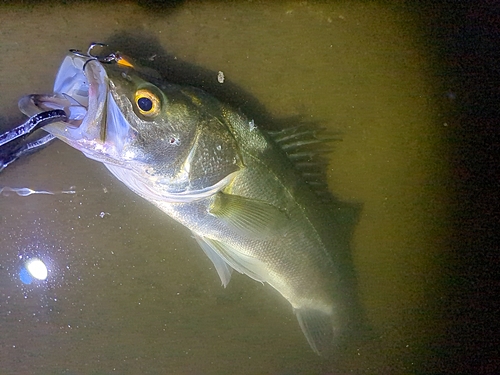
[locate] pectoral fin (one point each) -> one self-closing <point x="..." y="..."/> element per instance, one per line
<point x="225" y="258"/>
<point x="250" y="218"/>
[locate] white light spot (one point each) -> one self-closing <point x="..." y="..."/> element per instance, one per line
<point x="129" y="155"/>
<point x="220" y="77"/>
<point x="37" y="268"/>
<point x="252" y="125"/>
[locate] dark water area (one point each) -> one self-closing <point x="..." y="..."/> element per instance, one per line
<point x="468" y="50"/>
<point x="410" y="89"/>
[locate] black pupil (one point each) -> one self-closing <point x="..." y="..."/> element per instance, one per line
<point x="145" y="104"/>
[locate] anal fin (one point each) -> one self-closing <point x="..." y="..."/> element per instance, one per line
<point x="317" y="326"/>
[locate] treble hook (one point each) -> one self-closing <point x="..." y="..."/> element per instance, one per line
<point x="112" y="57"/>
<point x="93" y="45"/>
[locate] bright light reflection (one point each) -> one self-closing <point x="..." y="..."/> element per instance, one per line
<point x="37" y="268"/>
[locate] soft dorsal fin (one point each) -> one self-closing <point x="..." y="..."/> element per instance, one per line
<point x="307" y="147"/>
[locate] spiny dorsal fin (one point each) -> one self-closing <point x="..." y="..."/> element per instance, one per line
<point x="307" y="147"/>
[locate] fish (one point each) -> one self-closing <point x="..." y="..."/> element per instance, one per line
<point x="240" y="190"/>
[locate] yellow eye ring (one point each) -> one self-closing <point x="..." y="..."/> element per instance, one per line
<point x="147" y="103"/>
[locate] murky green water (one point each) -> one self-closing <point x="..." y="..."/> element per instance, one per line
<point x="129" y="291"/>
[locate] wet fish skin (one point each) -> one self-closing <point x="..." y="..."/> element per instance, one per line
<point x="214" y="171"/>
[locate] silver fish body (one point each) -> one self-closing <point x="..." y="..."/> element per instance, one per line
<point x="211" y="169"/>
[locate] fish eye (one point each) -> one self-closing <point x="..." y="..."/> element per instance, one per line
<point x="147" y="103"/>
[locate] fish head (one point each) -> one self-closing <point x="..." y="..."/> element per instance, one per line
<point x="164" y="141"/>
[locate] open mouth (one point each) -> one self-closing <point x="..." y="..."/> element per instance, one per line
<point x="80" y="91"/>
